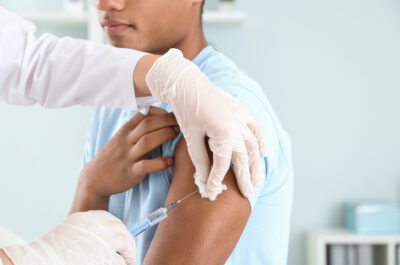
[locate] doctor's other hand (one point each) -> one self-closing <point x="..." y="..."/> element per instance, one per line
<point x="122" y="162"/>
<point x="92" y="237"/>
<point x="202" y="109"/>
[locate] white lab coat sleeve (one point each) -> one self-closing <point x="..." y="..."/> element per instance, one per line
<point x="58" y="72"/>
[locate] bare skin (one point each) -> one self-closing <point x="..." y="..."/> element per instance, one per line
<point x="139" y="75"/>
<point x="177" y="25"/>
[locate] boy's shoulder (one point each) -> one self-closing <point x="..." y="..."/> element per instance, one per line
<point x="224" y="73"/>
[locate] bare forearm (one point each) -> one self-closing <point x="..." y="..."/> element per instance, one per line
<point x="86" y="200"/>
<point x="139" y="75"/>
<point x="5" y="259"/>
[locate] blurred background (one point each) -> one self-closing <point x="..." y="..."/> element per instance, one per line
<point x="331" y="69"/>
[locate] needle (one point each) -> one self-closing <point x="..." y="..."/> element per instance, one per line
<point x="172" y="205"/>
<point x="155" y="217"/>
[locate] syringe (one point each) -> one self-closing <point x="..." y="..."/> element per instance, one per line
<point x="155" y="217"/>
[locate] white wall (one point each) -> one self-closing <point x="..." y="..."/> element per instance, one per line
<point x="330" y="68"/>
<point x="40" y="153"/>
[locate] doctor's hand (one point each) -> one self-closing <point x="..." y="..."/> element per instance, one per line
<point x="122" y="162"/>
<point x="92" y="237"/>
<point x="202" y="109"/>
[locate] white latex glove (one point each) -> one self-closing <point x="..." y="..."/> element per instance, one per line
<point x="91" y="238"/>
<point x="202" y="109"/>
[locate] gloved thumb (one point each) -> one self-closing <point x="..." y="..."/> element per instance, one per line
<point x="117" y="259"/>
<point x="126" y="250"/>
<point x="195" y="141"/>
<point x="123" y="243"/>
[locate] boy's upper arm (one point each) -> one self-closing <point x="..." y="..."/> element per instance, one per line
<point x="198" y="231"/>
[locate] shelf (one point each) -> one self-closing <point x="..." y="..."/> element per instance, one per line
<point x="211" y="17"/>
<point x="319" y="241"/>
<point x="344" y="236"/>
<point x="223" y="17"/>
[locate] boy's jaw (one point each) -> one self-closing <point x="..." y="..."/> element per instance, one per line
<point x="124" y="34"/>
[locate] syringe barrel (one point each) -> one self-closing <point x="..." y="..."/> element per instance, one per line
<point x="140" y="227"/>
<point x="151" y="220"/>
<point x="157" y="216"/>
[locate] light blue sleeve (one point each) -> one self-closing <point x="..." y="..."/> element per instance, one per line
<point x="89" y="147"/>
<point x="269" y="222"/>
<point x="250" y="95"/>
<point x="258" y="190"/>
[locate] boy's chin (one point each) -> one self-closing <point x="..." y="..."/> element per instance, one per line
<point x="136" y="45"/>
<point x="120" y="43"/>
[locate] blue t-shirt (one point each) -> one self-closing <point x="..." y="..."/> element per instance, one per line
<point x="264" y="240"/>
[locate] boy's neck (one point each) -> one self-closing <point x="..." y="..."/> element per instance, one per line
<point x="192" y="44"/>
<point x="195" y="41"/>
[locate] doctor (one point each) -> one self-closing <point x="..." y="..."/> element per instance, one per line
<point x="58" y="72"/>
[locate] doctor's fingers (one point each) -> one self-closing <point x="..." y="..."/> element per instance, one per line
<point x="197" y="149"/>
<point x="222" y="155"/>
<point x="258" y="132"/>
<point x="103" y="226"/>
<point x="122" y="244"/>
<point x="149" y="141"/>
<point x="254" y="157"/>
<point x="152" y="123"/>
<point x="240" y="162"/>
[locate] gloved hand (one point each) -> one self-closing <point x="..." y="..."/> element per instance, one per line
<point x="202" y="109"/>
<point x="92" y="237"/>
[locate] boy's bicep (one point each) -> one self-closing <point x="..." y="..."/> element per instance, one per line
<point x="198" y="231"/>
